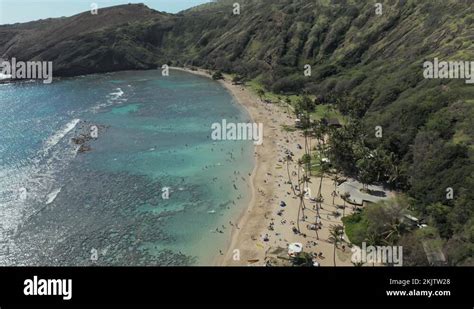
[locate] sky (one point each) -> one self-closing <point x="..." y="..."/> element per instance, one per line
<point x="13" y="11"/>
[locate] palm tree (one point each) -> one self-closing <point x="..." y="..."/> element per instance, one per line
<point x="288" y="159"/>
<point x="335" y="232"/>
<point x="335" y="179"/>
<point x="372" y="240"/>
<point x="301" y="184"/>
<point x="367" y="168"/>
<point x="345" y="197"/>
<point x="394" y="232"/>
<point x="317" y="132"/>
<point x="323" y="171"/>
<point x="260" y="93"/>
<point x="288" y="103"/>
<point x="317" y="226"/>
<point x="301" y="196"/>
<point x="299" y="163"/>
<point x="319" y="201"/>
<point x="305" y="181"/>
<point x="307" y="149"/>
<point x="323" y="165"/>
<point x="392" y="169"/>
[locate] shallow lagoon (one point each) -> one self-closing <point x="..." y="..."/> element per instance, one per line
<point x="105" y="206"/>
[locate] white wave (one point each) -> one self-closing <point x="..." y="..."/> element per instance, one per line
<point x="22" y="194"/>
<point x="112" y="98"/>
<point x="52" y="196"/>
<point x="117" y="94"/>
<point x="33" y="182"/>
<point x="59" y="135"/>
<point x="5" y="76"/>
<point x="95" y="109"/>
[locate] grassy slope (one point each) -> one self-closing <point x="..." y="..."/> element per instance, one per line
<point x="426" y="123"/>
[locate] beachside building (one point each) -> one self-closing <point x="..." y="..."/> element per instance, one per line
<point x="360" y="198"/>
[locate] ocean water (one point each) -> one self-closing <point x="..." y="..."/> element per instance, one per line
<point x="60" y="205"/>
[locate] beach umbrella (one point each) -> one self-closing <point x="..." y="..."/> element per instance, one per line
<point x="295" y="248"/>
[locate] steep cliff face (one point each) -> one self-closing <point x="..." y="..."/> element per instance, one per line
<point x="84" y="43"/>
<point x="279" y="35"/>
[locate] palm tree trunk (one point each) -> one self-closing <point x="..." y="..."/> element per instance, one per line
<point x="317" y="226"/>
<point x="299" y="176"/>
<point x="303" y="206"/>
<point x="298" y="219"/>
<point x="320" y="184"/>
<point x="289" y="177"/>
<point x="309" y="153"/>
<point x="306" y="147"/>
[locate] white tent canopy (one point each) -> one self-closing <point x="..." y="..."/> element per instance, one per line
<point x="294" y="248"/>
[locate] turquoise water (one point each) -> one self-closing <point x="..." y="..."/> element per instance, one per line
<point x="62" y="206"/>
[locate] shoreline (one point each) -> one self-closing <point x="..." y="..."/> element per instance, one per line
<point x="222" y="260"/>
<point x="253" y="242"/>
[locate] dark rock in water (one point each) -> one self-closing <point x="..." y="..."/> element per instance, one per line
<point x="84" y="148"/>
<point x="79" y="140"/>
<point x="65" y="233"/>
<point x="86" y="136"/>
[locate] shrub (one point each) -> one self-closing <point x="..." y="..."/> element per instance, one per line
<point x="217" y="75"/>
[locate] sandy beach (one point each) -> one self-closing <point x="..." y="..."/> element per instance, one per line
<point x="252" y="238"/>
